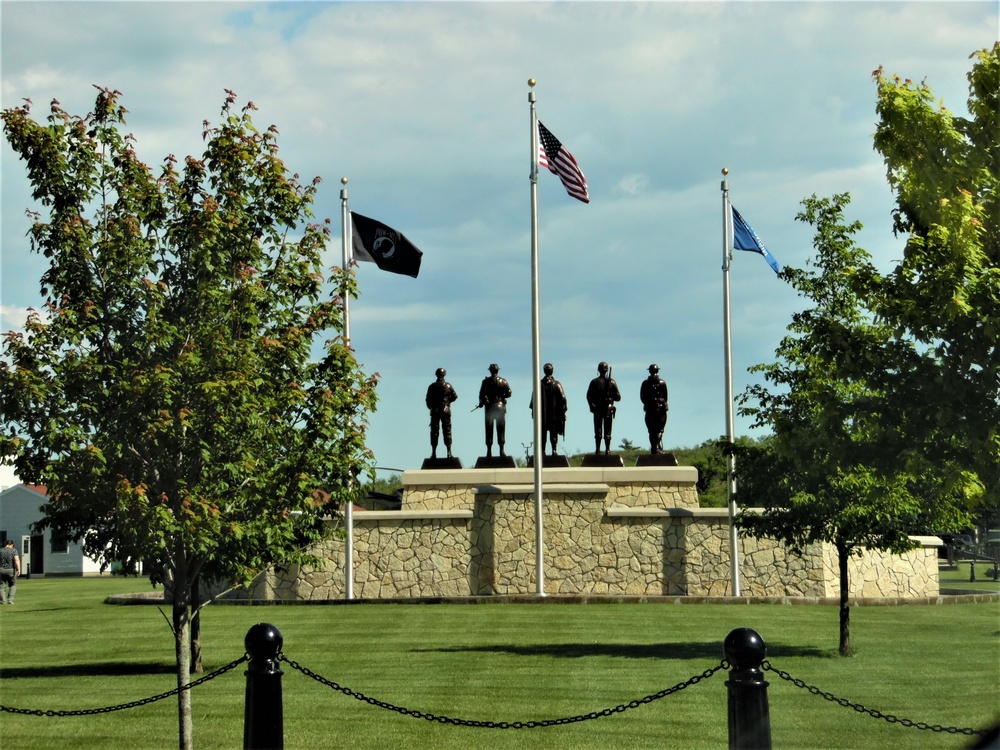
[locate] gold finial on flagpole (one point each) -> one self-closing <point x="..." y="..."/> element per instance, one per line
<point x="343" y="180"/>
<point x="725" y="171"/>
<point x="532" y="82"/>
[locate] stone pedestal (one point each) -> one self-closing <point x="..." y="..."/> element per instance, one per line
<point x="550" y="461"/>
<point x="495" y="462"/>
<point x="603" y="460"/>
<point x="656" y="459"/>
<point x="441" y="463"/>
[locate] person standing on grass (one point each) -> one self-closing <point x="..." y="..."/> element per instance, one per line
<point x="10" y="569"/>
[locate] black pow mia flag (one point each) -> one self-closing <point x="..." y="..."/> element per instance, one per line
<point x="374" y="242"/>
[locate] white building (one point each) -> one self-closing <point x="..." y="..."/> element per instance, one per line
<point x="20" y="507"/>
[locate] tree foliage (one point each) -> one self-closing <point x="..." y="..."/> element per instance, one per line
<point x="945" y="294"/>
<point x="170" y="394"/>
<point x="709" y="458"/>
<point x="821" y="478"/>
<point x="888" y="413"/>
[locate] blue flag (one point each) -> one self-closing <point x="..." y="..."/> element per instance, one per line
<point x="744" y="238"/>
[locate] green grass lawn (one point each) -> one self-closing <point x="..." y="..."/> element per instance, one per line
<point x="957" y="578"/>
<point x="61" y="648"/>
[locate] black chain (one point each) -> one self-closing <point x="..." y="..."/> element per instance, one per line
<point x="504" y="724"/>
<point x="871" y="711"/>
<point x="133" y="704"/>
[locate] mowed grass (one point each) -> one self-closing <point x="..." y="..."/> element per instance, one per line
<point x="957" y="578"/>
<point x="61" y="648"/>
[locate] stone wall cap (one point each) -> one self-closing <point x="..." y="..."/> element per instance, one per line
<point x="573" y="475"/>
<point x="361" y="516"/>
<point x="547" y="488"/>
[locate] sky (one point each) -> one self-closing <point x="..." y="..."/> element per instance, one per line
<point x="423" y="106"/>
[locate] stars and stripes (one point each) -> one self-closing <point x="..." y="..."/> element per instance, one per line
<point x="554" y="156"/>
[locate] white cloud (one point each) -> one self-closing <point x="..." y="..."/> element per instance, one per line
<point x="13" y="318"/>
<point x="424" y="106"/>
<point x="411" y="313"/>
<point x="8" y="477"/>
<point x="633" y="184"/>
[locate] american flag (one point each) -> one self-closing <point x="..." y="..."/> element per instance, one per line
<point x="560" y="162"/>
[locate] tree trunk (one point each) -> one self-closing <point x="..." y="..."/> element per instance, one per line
<point x="843" y="555"/>
<point x="182" y="647"/>
<point x="197" y="667"/>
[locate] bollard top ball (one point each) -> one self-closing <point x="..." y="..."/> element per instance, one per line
<point x="263" y="641"/>
<point x="744" y="648"/>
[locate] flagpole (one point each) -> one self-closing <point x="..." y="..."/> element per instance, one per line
<point x="345" y="222"/>
<point x="345" y="219"/>
<point x="536" y="352"/>
<point x="727" y="256"/>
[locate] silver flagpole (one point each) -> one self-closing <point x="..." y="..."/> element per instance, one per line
<point x="345" y="218"/>
<point x="727" y="256"/>
<point x="536" y="353"/>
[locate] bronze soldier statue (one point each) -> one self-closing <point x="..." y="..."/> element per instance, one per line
<point x="601" y="396"/>
<point x="440" y="396"/>
<point x="553" y="408"/>
<point x="653" y="394"/>
<point x="493" y="395"/>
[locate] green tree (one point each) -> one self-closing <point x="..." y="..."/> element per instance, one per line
<point x="815" y="478"/>
<point x="627" y="446"/>
<point x="709" y="458"/>
<point x="169" y="395"/>
<point x="945" y="293"/>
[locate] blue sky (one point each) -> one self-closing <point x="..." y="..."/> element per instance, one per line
<point x="424" y="107"/>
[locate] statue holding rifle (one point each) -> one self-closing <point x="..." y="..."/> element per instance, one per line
<point x="493" y="395"/>
<point x="602" y="394"/>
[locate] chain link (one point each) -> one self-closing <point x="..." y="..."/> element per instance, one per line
<point x="766" y="666"/>
<point x="133" y="704"/>
<point x="503" y="724"/>
<point x="871" y="711"/>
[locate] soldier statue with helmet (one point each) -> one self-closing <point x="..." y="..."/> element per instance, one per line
<point x="493" y="395"/>
<point x="602" y="393"/>
<point x="653" y="394"/>
<point x="440" y="396"/>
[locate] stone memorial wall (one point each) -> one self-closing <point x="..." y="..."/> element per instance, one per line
<point x="606" y="532"/>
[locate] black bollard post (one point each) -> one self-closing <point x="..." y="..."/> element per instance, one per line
<point x="263" y="724"/>
<point x="749" y="713"/>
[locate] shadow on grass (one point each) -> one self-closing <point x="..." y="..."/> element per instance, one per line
<point x="629" y="651"/>
<point x="106" y="669"/>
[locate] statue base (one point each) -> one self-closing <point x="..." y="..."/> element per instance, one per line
<point x="441" y="463"/>
<point x="554" y="461"/>
<point x="602" y="459"/>
<point x="656" y="459"/>
<point x="495" y="462"/>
